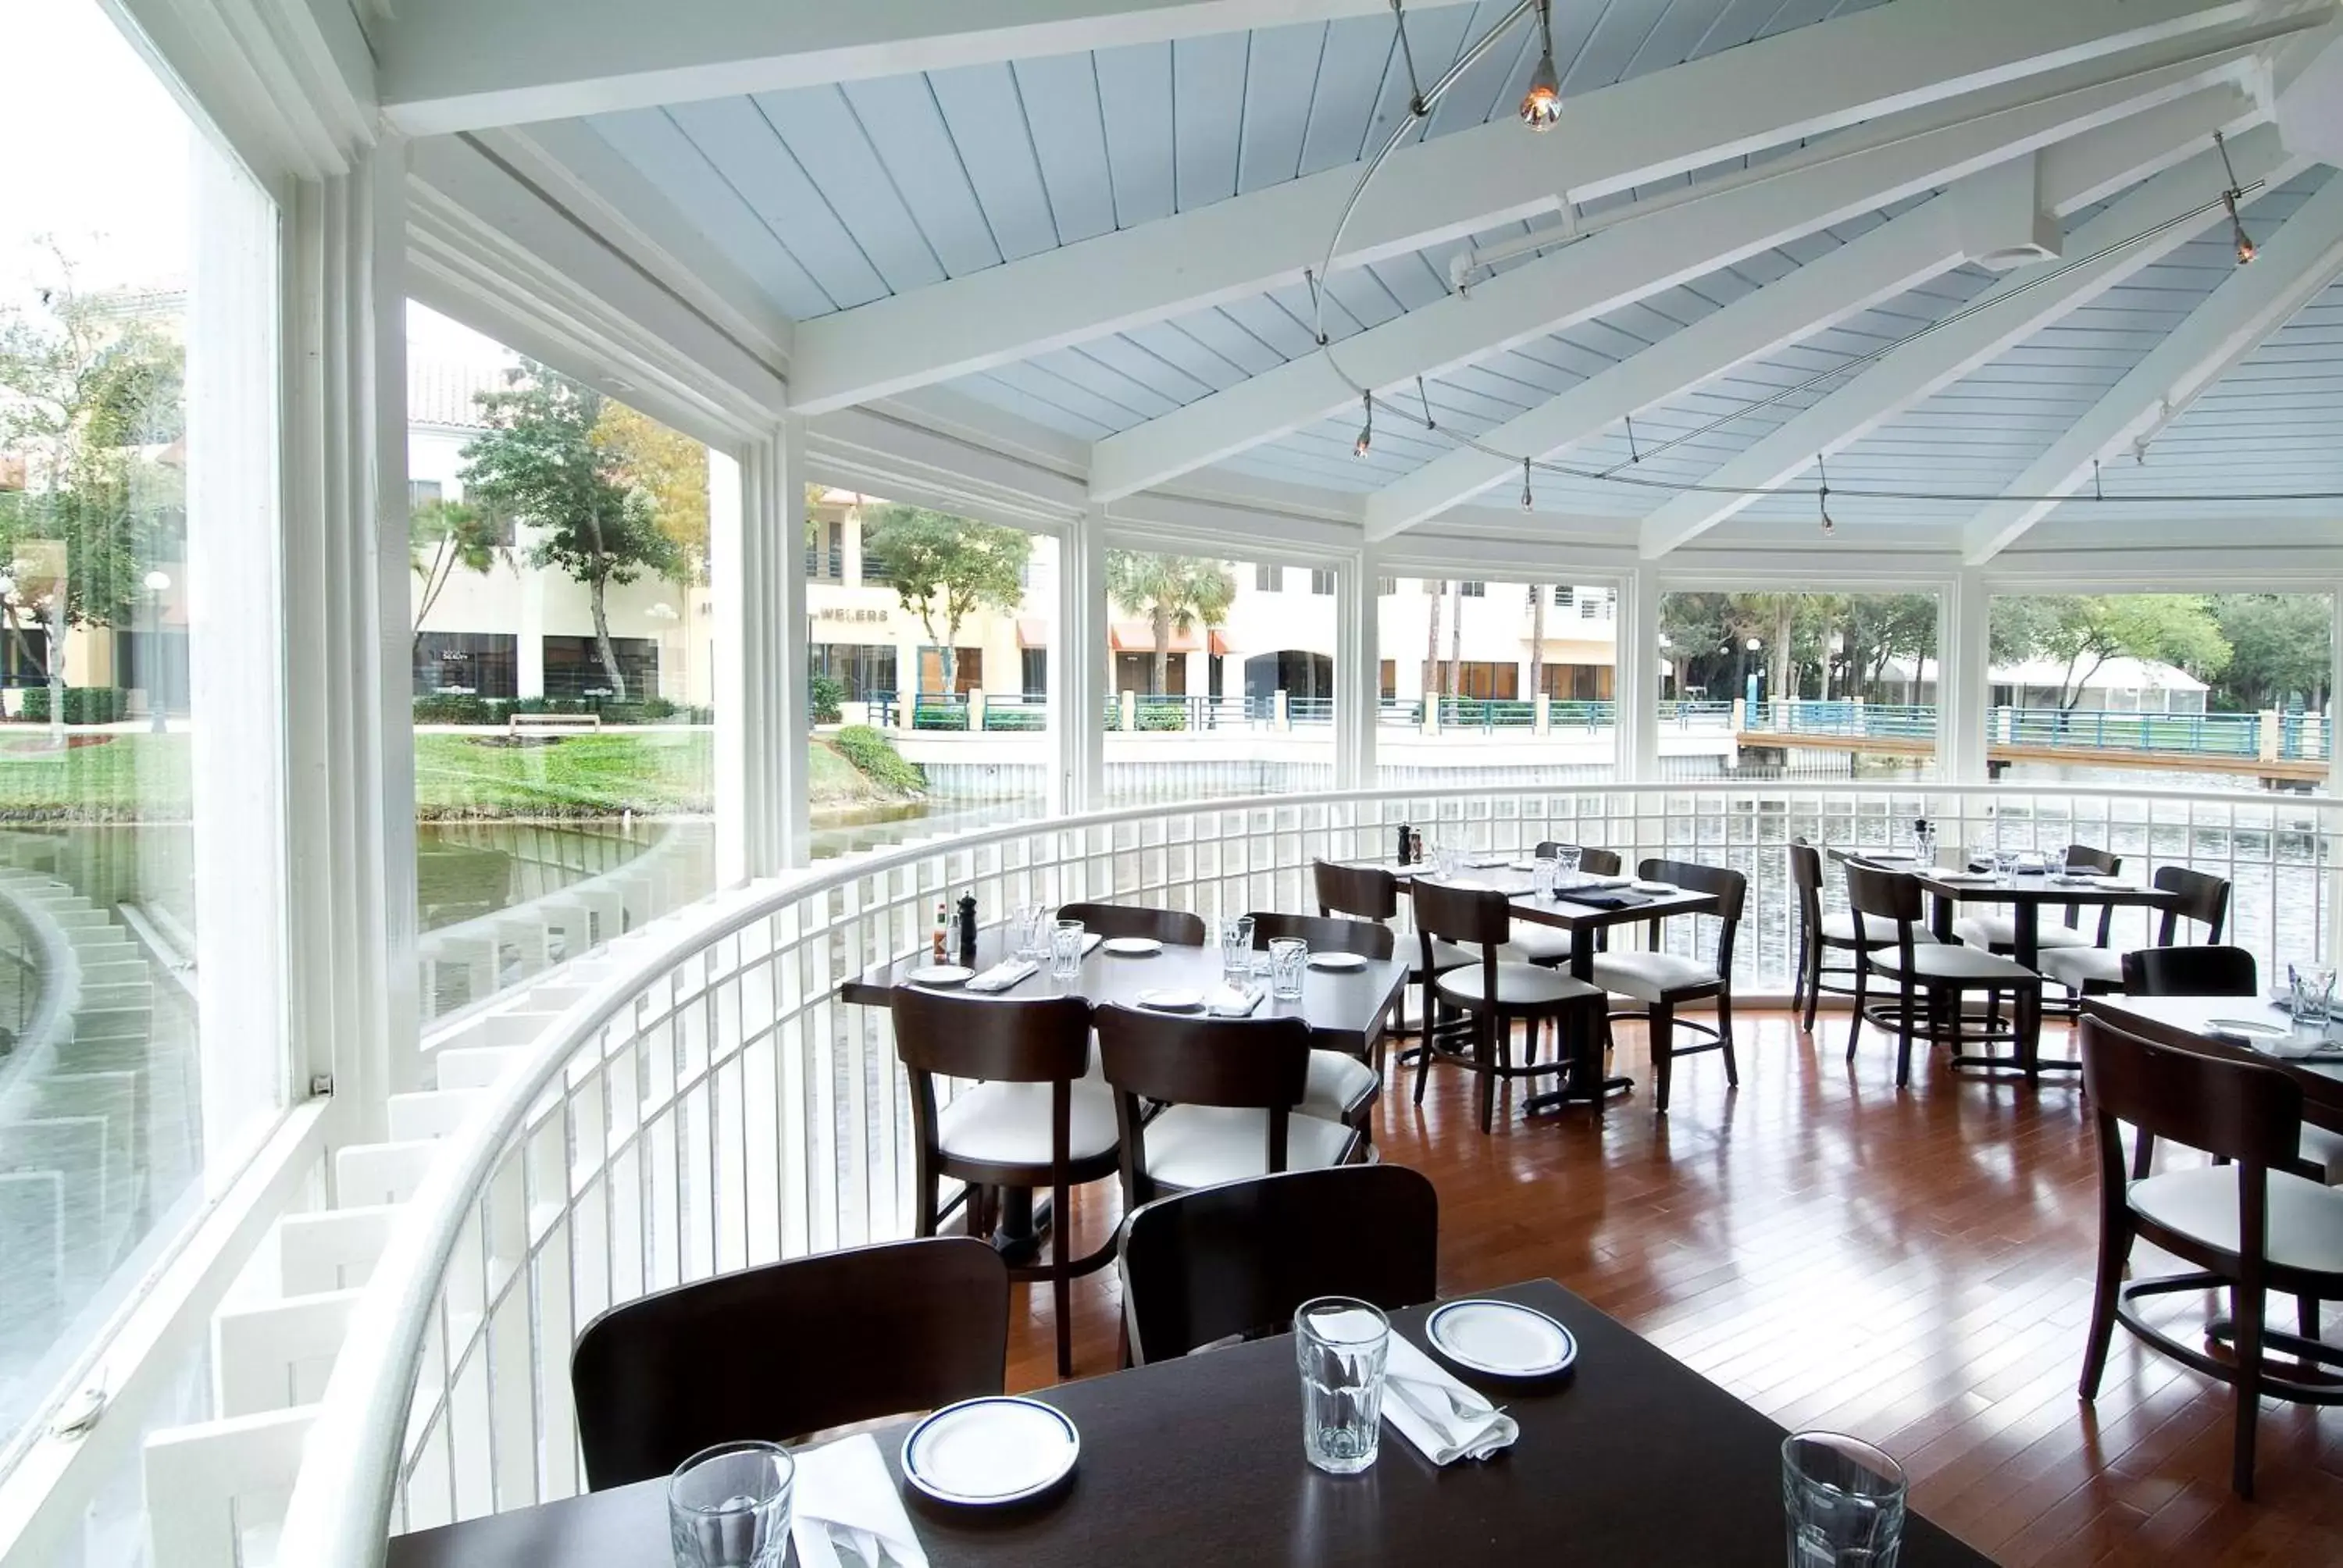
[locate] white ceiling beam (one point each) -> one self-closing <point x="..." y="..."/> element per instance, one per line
<point x="1676" y="242"/>
<point x="1869" y="270"/>
<point x="1921" y="368"/>
<point x="467" y="64"/>
<point x="2294" y="266"/>
<point x="1891" y="59"/>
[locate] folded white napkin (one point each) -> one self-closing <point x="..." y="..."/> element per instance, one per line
<point x="1593" y="884"/>
<point x="1003" y="975"/>
<point x="843" y="1495"/>
<point x="1414" y="1405"/>
<point x="1091" y="939"/>
<point x="1227" y="1001"/>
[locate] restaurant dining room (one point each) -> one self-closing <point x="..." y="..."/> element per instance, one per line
<point x="1059" y="782"/>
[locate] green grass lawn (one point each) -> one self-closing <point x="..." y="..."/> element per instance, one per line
<point x="125" y="777"/>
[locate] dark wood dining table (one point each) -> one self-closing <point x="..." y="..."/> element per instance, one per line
<point x="2025" y="894"/>
<point x="2187" y="1022"/>
<point x="1631" y="1457"/>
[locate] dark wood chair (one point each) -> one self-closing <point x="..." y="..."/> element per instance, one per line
<point x="1173" y="928"/>
<point x="2251" y="1226"/>
<point x="1663" y="981"/>
<point x="1595" y="862"/>
<point x="1494" y="994"/>
<point x="1029" y="1120"/>
<point x="1998" y="933"/>
<point x="1368" y="893"/>
<point x="1342" y="1087"/>
<point x="756" y="1353"/>
<point x="1532" y="944"/>
<point x="1933" y="981"/>
<point x="1229" y="1088"/>
<point x="1237" y="1259"/>
<point x="2191" y="971"/>
<point x="2199" y="897"/>
<point x="1821" y="933"/>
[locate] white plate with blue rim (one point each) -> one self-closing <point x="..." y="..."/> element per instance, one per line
<point x="1503" y="1339"/>
<point x="990" y="1453"/>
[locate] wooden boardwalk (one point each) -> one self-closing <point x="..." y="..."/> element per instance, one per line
<point x="1910" y="1267"/>
<point x="2287" y="770"/>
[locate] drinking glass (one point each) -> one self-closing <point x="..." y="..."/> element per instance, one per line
<point x="1341" y="1345"/>
<point x="1565" y="863"/>
<point x="1545" y="875"/>
<point x="1447" y="861"/>
<point x="1288" y="958"/>
<point x="1066" y="951"/>
<point x="1236" y="950"/>
<point x="1030" y="925"/>
<point x="1844" y="1502"/>
<point x="729" y="1506"/>
<point x="2310" y="990"/>
<point x="2004" y="863"/>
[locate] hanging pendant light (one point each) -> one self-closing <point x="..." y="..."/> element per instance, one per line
<point x="1542" y="105"/>
<point x="2242" y="241"/>
<point x="1359" y="447"/>
<point x="1822" y="497"/>
<point x="1528" y="504"/>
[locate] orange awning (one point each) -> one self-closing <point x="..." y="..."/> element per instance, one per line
<point x="1138" y="637"/>
<point x="1033" y="632"/>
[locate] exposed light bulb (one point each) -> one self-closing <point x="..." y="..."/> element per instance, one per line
<point x="1822" y="497"/>
<point x="1528" y="504"/>
<point x="1359" y="447"/>
<point x="2247" y="249"/>
<point x="1542" y="105"/>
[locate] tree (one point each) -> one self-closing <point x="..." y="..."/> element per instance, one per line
<point x="1456" y="639"/>
<point x="93" y="399"/>
<point x="670" y="468"/>
<point x="943" y="568"/>
<point x="1537" y="640"/>
<point x="539" y="463"/>
<point x="1175" y="593"/>
<point x="442" y="535"/>
<point x="1432" y="645"/>
<point x="2279" y="650"/>
<point x="2080" y="632"/>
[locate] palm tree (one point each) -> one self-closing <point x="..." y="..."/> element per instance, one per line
<point x="1431" y="649"/>
<point x="1537" y="640"/>
<point x="1456" y="639"/>
<point x="1173" y="592"/>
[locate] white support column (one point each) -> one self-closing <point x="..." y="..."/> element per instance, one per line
<point x="1638" y="683"/>
<point x="1078" y="666"/>
<point x="763" y="822"/>
<point x="1358" y="684"/>
<point x="1964" y="678"/>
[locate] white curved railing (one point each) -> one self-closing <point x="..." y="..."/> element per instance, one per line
<point x="710" y="1105"/>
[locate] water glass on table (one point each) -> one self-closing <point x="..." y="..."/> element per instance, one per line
<point x="1844" y="1502"/>
<point x="1447" y="859"/>
<point x="1341" y="1346"/>
<point x="1565" y="863"/>
<point x="729" y="1506"/>
<point x="1066" y="951"/>
<point x="1029" y="931"/>
<point x="2310" y="993"/>
<point x="1545" y="875"/>
<point x="1288" y="958"/>
<point x="1236" y="950"/>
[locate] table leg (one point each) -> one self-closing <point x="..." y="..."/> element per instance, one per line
<point x="1017" y="1237"/>
<point x="2026" y="933"/>
<point x="1583" y="1084"/>
<point x="1941" y="917"/>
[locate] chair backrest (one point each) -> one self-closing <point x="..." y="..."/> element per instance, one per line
<point x="1362" y="893"/>
<point x="1039" y="1039"/>
<point x="2084" y="857"/>
<point x="1200" y="1060"/>
<point x="1238" y="1259"/>
<point x="1325" y="934"/>
<point x="1176" y="927"/>
<point x="1729" y="888"/>
<point x="2204" y="898"/>
<point x="756" y="1354"/>
<point x="2191" y="971"/>
<point x="1462" y="914"/>
<point x="1806" y="882"/>
<point x="1593" y="862"/>
<point x="1885" y="897"/>
<point x="2232" y="1109"/>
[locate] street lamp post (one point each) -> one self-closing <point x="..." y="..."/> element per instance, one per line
<point x="1749" y="681"/>
<point x="157" y="584"/>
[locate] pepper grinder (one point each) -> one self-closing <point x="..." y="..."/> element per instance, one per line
<point x="968" y="930"/>
<point x="1402" y="843"/>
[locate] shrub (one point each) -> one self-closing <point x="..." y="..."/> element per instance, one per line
<point x="84" y="704"/>
<point x="1163" y="718"/>
<point x="875" y="758"/>
<point x="826" y="695"/>
<point x="1014" y="718"/>
<point x="928" y="717"/>
<point x="454" y="707"/>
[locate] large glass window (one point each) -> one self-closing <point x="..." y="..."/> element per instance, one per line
<point x="1490" y="683"/>
<point x="136" y="333"/>
<point x="929" y="652"/>
<point x="564" y="749"/>
<point x="2187" y="691"/>
<point x="1219" y="686"/>
<point x="1795" y="685"/>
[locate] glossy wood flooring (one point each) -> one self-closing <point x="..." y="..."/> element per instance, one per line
<point x="1914" y="1268"/>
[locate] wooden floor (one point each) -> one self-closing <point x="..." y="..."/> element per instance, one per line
<point x="1912" y="1268"/>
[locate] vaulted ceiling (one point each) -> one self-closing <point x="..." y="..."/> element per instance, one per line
<point x="1957" y="249"/>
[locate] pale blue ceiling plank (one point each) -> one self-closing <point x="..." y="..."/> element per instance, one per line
<point x="1675" y="36"/>
<point x="1358" y="52"/>
<point x="745" y="149"/>
<point x="901" y="117"/>
<point x="821" y="132"/>
<point x="1078" y="366"/>
<point x="1208" y="95"/>
<point x="1135" y="89"/>
<point x="1061" y="105"/>
<point x="657" y="147"/>
<point x="1495" y="83"/>
<point x="1036" y="379"/>
<point x="1005" y="391"/>
<point x="1233" y="340"/>
<point x="981" y="109"/>
<point x="1280" y="78"/>
<point x="1142" y="364"/>
<point x="1436" y="37"/>
<point x="1173" y="344"/>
